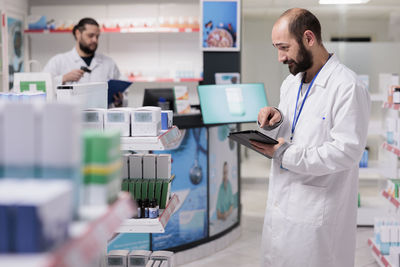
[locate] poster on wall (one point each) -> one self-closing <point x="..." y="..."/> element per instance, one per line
<point x="223" y="179"/>
<point x="15" y="48"/>
<point x="220" y="25"/>
<point x="189" y="223"/>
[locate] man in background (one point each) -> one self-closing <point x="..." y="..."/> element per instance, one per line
<point x="82" y="64"/>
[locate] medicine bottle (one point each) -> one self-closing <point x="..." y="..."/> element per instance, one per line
<point x="146" y="208"/>
<point x="396" y="95"/>
<point x="153" y="209"/>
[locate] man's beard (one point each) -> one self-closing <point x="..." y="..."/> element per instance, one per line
<point x="86" y="49"/>
<point x="305" y="61"/>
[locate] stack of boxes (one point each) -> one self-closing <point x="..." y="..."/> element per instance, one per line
<point x="140" y="258"/>
<point x="148" y="176"/>
<point x="34" y="214"/>
<point x="131" y="122"/>
<point x="387" y="238"/>
<point x="41" y="140"/>
<point x="40" y="174"/>
<point x="102" y="167"/>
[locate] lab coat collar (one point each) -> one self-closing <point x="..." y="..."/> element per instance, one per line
<point x="325" y="72"/>
<point x="76" y="58"/>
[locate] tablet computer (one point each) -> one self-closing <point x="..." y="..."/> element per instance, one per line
<point x="244" y="138"/>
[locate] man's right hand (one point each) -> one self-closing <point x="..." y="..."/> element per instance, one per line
<point x="268" y="116"/>
<point x="72" y="76"/>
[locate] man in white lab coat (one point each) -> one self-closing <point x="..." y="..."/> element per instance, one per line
<point x="322" y="124"/>
<point x="82" y="64"/>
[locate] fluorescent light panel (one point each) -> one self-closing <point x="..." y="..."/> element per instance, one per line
<point x="342" y="2"/>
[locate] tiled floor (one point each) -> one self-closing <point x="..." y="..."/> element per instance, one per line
<point x="245" y="251"/>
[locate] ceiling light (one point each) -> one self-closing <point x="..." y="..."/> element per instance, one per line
<point x="342" y="2"/>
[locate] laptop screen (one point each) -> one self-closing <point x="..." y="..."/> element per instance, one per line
<point x="231" y="103"/>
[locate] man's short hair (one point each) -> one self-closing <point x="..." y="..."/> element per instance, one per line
<point x="81" y="25"/>
<point x="301" y="20"/>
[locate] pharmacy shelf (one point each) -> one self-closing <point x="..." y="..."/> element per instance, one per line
<point x="167" y="140"/>
<point x="83" y="249"/>
<point x="380" y="259"/>
<point x="168" y="79"/>
<point x="371" y="207"/>
<point x="375" y="128"/>
<point x="151" y="30"/>
<point x="377" y="97"/>
<point x="156" y="225"/>
<point x="371" y="172"/>
<point x="391" y="148"/>
<point x="392" y="200"/>
<point x="123" y="30"/>
<point x="391" y="106"/>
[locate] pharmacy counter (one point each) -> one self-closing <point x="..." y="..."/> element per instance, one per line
<point x="209" y="209"/>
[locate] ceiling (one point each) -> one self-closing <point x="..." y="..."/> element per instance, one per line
<point x="373" y="9"/>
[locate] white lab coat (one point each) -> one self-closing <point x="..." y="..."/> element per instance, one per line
<point x="311" y="212"/>
<point x="103" y="67"/>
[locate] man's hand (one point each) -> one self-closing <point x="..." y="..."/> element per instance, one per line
<point x="266" y="149"/>
<point x="72" y="76"/>
<point x="118" y="99"/>
<point x="268" y="116"/>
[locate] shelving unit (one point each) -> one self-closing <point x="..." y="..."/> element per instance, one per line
<point x="377" y="97"/>
<point x="371" y="172"/>
<point x="388" y="171"/>
<point x="375" y="128"/>
<point x="87" y="243"/>
<point x="165" y="141"/>
<point x="123" y="30"/>
<point x="150" y="225"/>
<point x="380" y="259"/>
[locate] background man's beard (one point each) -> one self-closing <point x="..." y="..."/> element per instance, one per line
<point x="87" y="49"/>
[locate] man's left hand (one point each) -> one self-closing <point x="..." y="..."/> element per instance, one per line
<point x="118" y="99"/>
<point x="266" y="149"/>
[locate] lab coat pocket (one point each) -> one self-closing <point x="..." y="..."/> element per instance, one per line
<point x="306" y="204"/>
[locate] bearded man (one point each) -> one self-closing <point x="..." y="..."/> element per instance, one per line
<point x="82" y="64"/>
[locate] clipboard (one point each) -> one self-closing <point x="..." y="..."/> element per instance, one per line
<point x="115" y="86"/>
<point x="244" y="138"/>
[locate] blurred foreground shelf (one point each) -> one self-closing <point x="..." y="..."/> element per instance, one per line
<point x="88" y="238"/>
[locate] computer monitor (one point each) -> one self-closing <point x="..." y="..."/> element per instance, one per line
<point x="153" y="96"/>
<point x="231" y="103"/>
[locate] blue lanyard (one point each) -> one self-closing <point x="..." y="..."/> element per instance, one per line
<point x="296" y="118"/>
